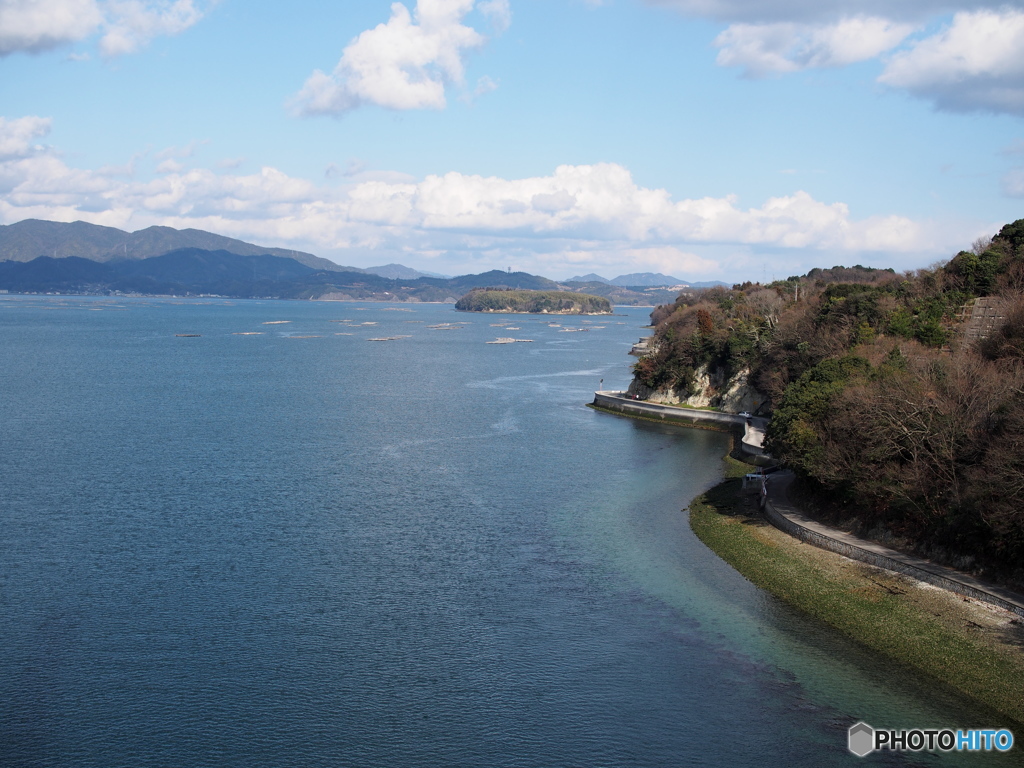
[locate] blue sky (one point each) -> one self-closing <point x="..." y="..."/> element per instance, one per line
<point x="707" y="139"/>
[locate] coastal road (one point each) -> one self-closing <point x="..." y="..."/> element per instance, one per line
<point x="783" y="514"/>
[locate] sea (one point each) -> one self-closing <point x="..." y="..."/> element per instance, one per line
<point x="251" y="533"/>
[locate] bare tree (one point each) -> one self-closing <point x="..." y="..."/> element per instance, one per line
<point x="767" y="303"/>
<point x="981" y="245"/>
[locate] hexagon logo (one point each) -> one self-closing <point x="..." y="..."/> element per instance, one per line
<point x="861" y="739"/>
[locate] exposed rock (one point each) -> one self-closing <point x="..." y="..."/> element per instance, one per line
<point x="707" y="385"/>
<point x="667" y="396"/>
<point x="644" y="347"/>
<point x="740" y="395"/>
<point x="712" y="390"/>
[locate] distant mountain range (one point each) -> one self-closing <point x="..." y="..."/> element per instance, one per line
<point x="400" y="272"/>
<point x="638" y="279"/>
<point x="52" y="257"/>
<point x="643" y="280"/>
<point x="32" y="238"/>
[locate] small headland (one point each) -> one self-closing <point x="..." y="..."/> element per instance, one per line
<point x="533" y="302"/>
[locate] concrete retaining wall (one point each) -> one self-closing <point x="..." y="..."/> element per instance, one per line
<point x="616" y="401"/>
<point x="817" y="539"/>
<point x="750" y="448"/>
<point x="726" y="422"/>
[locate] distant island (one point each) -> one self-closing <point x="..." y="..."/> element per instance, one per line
<point x="534" y="302"/>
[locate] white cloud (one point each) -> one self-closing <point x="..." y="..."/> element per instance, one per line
<point x="131" y="24"/>
<point x="16" y="136"/>
<point x="403" y="64"/>
<point x="579" y="215"/>
<point x="817" y="11"/>
<point x="125" y="169"/>
<point x="126" y="25"/>
<point x="553" y="202"/>
<point x="169" y="166"/>
<point x="976" y="63"/>
<point x="499" y="13"/>
<point x="39" y="25"/>
<point x="788" y="47"/>
<point x="484" y="85"/>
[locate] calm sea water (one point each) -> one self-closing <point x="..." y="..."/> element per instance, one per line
<point x="298" y="547"/>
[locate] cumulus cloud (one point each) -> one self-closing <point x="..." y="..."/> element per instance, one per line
<point x="39" y="25"/>
<point x="788" y="47"/>
<point x="131" y="24"/>
<point x="125" y="25"/>
<point x="976" y="63"/>
<point x="598" y="203"/>
<point x="603" y="203"/>
<point x="17" y="136"/>
<point x="405" y="63"/>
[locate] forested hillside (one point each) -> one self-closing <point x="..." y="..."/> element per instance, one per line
<point x="896" y="397"/>
<point x="554" y="302"/>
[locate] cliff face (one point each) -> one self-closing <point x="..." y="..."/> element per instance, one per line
<point x="711" y="388"/>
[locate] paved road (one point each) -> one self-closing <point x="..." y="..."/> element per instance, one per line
<point x="916" y="567"/>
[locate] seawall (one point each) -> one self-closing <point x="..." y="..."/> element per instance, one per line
<point x="725" y="422"/>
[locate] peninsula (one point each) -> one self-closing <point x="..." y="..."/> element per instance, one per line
<point x="895" y="400"/>
<point x="534" y="302"/>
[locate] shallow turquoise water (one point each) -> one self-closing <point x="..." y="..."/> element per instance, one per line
<point x="264" y="550"/>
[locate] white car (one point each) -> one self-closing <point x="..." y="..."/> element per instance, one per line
<point x="746" y="415"/>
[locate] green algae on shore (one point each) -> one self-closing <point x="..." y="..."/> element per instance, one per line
<point x="975" y="648"/>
